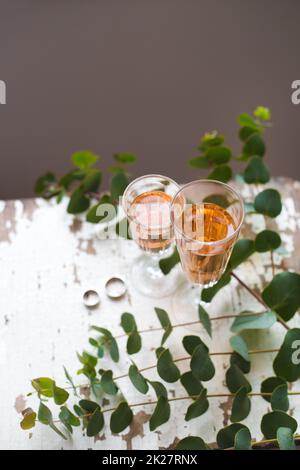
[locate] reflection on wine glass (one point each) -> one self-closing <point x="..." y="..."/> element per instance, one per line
<point x="207" y="216"/>
<point x="146" y="202"/>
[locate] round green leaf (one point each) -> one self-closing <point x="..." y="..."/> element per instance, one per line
<point x="44" y="386"/>
<point x="239" y="345"/>
<point x="60" y="395"/>
<point x="92" y="216"/>
<point x="128" y="322"/>
<point x="283" y="294"/>
<point x="134" y="343"/>
<point x="263" y="113"/>
<point x="242" y="440"/>
<point x="253" y="322"/>
<point x="167" y="264"/>
<point x="256" y="171"/>
<point x="221" y="173"/>
<point x="88" y="406"/>
<point x="43" y="183"/>
<point x="201" y="364"/>
<point x="235" y="379"/>
<point x="268" y="202"/>
<point x="285" y="438"/>
<point x="267" y="240"/>
<point x="192" y="385"/>
<point x="166" y="368"/>
<point x="271" y="422"/>
<point x="29" y="418"/>
<point x="208" y="294"/>
<point x="68" y="418"/>
<point x="161" y="413"/>
<point x="84" y="159"/>
<point x="279" y="398"/>
<point x="245" y="119"/>
<point x="44" y="414"/>
<point x="121" y="418"/>
<point x="159" y="388"/>
<point x="107" y="383"/>
<point x="239" y="361"/>
<point x="191" y="342"/>
<point x="241" y="406"/>
<point x="78" y="202"/>
<point x="287" y="362"/>
<point x="226" y="436"/>
<point x="198" y="407"/>
<point x="95" y="423"/>
<point x="254" y="145"/>
<point x="211" y="139"/>
<point x="165" y="323"/>
<point x="241" y="251"/>
<point x="191" y="443"/>
<point x="245" y="133"/>
<point x="218" y="155"/>
<point x="139" y="382"/>
<point x="269" y="385"/>
<point x="92" y="180"/>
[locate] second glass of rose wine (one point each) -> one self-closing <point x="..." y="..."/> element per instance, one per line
<point x="146" y="202"/>
<point x="207" y="216"/>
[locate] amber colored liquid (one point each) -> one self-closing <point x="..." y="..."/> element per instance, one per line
<point x="205" y="263"/>
<point x="150" y="221"/>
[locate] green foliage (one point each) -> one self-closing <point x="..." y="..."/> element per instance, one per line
<point x="283" y="294"/>
<point x="165" y="323"/>
<point x="134" y="341"/>
<point x="253" y="322"/>
<point x="118" y="185"/>
<point x="107" y="383"/>
<point x="29" y="418"/>
<point x="95" y="423"/>
<point x="241" y="406"/>
<point x="84" y="159"/>
<point x="120" y="418"/>
<point x="242" y="440"/>
<point x="192" y="385"/>
<point x="267" y="240"/>
<point x="235" y="379"/>
<point x="269" y="385"/>
<point x="221" y="173"/>
<point x="191" y="443"/>
<point x="166" y="368"/>
<point x="167" y="264"/>
<point x="286" y="364"/>
<point x="239" y="345"/>
<point x="244" y="366"/>
<point x="109" y="342"/>
<point x="256" y="171"/>
<point x="285" y="438"/>
<point x="161" y="413"/>
<point x="274" y="420"/>
<point x="279" y="398"/>
<point x="268" y="202"/>
<point x="226" y="436"/>
<point x="205" y="320"/>
<point x="137" y="379"/>
<point x="198" y="407"/>
<point x="201" y="364"/>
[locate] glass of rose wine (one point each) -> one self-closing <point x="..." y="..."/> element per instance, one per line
<point x="206" y="216"/>
<point x="146" y="203"/>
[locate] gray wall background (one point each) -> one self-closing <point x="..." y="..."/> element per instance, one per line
<point x="147" y="76"/>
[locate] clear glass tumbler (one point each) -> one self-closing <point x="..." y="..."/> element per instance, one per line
<point x="146" y="202"/>
<point x="207" y="216"/>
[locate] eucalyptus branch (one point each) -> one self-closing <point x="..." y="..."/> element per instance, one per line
<point x="265" y="441"/>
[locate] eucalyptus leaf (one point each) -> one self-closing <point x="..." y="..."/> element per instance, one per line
<point x="263" y="113"/>
<point x="192" y="385"/>
<point x="68" y="418"/>
<point x="84" y="159"/>
<point x="199" y="162"/>
<point x="241" y="406"/>
<point x="283" y="294"/>
<point x="95" y="423"/>
<point x="269" y="385"/>
<point x="88" y="406"/>
<point x="125" y="158"/>
<point x="60" y="395"/>
<point x="165" y="323"/>
<point x="159" y="388"/>
<point x="221" y="173"/>
<point x="191" y="342"/>
<point x="29" y="418"/>
<point x="43" y="183"/>
<point x="242" y="440"/>
<point x="134" y="342"/>
<point x="287" y="362"/>
<point x="120" y="418"/>
<point x="167" y="264"/>
<point x="253" y="322"/>
<point x="267" y="240"/>
<point x="226" y="436"/>
<point x="242" y="250"/>
<point x="139" y="382"/>
<point x="218" y="155"/>
<point x="44" y="386"/>
<point x="245" y="132"/>
<point x="274" y="420"/>
<point x="128" y="322"/>
<point x="78" y="202"/>
<point x="92" y="215"/>
<point x="198" y="407"/>
<point x="201" y="364"/>
<point x="254" y="145"/>
<point x="245" y="119"/>
<point x="92" y="180"/>
<point x="205" y="320"/>
<point x="191" y="443"/>
<point x="256" y="171"/>
<point x="166" y="368"/>
<point x="268" y="202"/>
<point x="235" y="379"/>
<point x="161" y="413"/>
<point x="285" y="439"/>
<point x="239" y="361"/>
<point x="239" y="345"/>
<point x="107" y="383"/>
<point x="208" y="294"/>
<point x="279" y="398"/>
<point x="44" y="414"/>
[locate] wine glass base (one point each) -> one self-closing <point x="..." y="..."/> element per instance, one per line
<point x="149" y="280"/>
<point x="185" y="305"/>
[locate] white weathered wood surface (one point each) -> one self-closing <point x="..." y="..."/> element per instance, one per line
<point x="48" y="259"/>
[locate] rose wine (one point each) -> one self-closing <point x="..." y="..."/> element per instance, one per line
<point x="204" y="263"/>
<point x="149" y="216"/>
